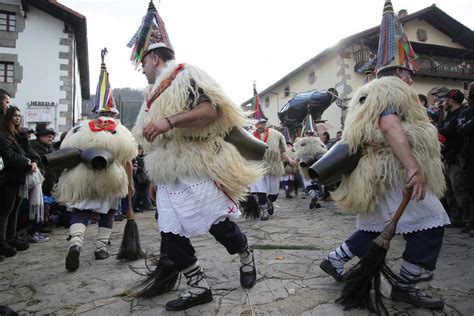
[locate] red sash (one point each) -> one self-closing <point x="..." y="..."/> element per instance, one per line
<point x="265" y="137"/>
<point x="163" y="86"/>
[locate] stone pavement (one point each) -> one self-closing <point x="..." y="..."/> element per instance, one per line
<point x="288" y="249"/>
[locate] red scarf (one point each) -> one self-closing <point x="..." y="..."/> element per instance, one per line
<point x="163" y="86"/>
<point x="265" y="137"/>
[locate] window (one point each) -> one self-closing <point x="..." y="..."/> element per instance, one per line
<point x="267" y="102"/>
<point x="7" y="21"/>
<point x="311" y="77"/>
<point x="6" y="72"/>
<point x="422" y="35"/>
<point x="287" y="91"/>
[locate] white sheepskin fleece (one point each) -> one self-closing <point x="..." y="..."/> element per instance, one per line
<point x="379" y="168"/>
<point x="310" y="146"/>
<point x="272" y="159"/>
<point x="191" y="152"/>
<point x="83" y="183"/>
<point x="289" y="170"/>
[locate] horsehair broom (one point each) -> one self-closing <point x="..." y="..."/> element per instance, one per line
<point x="365" y="276"/>
<point x="130" y="248"/>
<point x="250" y="207"/>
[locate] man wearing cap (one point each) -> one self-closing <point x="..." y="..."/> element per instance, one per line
<point x="399" y="150"/>
<point x="199" y="176"/>
<point x="42" y="145"/>
<point x="266" y="188"/>
<point x="458" y="195"/>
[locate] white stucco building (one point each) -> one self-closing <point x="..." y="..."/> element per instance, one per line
<point x="44" y="61"/>
<point x="446" y="55"/>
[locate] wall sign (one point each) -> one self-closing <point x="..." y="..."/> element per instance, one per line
<point x="40" y="114"/>
<point x="41" y="103"/>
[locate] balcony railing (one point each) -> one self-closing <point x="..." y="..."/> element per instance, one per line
<point x="361" y="57"/>
<point x="430" y="66"/>
<point x="442" y="67"/>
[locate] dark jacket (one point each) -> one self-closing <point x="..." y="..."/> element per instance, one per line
<point x="466" y="130"/>
<point x="454" y="141"/>
<point x="50" y="175"/>
<point x="26" y="145"/>
<point x="140" y="177"/>
<point x="16" y="163"/>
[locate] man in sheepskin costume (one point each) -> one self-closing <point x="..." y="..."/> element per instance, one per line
<point x="400" y="149"/>
<point x="309" y="149"/>
<point x="199" y="176"/>
<point x="266" y="188"/>
<point x="85" y="190"/>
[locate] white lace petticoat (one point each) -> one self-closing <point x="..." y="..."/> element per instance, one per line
<point x="268" y="184"/>
<point x="189" y="207"/>
<point x="428" y="213"/>
<point x="99" y="206"/>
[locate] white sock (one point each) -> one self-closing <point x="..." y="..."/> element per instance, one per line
<point x="196" y="281"/>
<point x="245" y="260"/>
<point x="103" y="237"/>
<point x="408" y="272"/>
<point x="339" y="257"/>
<point x="76" y="231"/>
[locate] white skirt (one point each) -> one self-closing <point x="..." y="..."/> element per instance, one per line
<point x="189" y="207"/>
<point x="428" y="213"/>
<point x="268" y="184"/>
<point x="288" y="178"/>
<point x="306" y="182"/>
<point x="99" y="206"/>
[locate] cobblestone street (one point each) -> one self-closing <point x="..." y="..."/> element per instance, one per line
<point x="288" y="250"/>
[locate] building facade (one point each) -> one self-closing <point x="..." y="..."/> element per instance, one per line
<point x="44" y="61"/>
<point x="446" y="57"/>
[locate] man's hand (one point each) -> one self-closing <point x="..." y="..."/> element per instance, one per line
<point x="293" y="163"/>
<point x="155" y="128"/>
<point x="34" y="167"/>
<point x="153" y="191"/>
<point x="131" y="189"/>
<point x="416" y="181"/>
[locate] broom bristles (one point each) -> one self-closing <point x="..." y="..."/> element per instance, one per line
<point x="250" y="207"/>
<point x="130" y="248"/>
<point x="362" y="279"/>
<point x="159" y="281"/>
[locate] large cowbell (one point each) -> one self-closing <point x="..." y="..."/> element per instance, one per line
<point x="316" y="102"/>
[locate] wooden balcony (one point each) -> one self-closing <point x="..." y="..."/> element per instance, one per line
<point x="445" y="68"/>
<point x="440" y="67"/>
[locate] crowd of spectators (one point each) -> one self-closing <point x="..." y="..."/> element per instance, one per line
<point x="28" y="209"/>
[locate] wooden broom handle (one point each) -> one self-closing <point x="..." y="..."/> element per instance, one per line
<point x="130" y="213"/>
<point x="406" y="199"/>
<point x="129" y="169"/>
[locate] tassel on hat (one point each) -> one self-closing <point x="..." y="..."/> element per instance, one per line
<point x="104" y="100"/>
<point x="258" y="113"/>
<point x="151" y="34"/>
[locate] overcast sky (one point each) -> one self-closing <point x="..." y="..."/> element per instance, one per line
<point x="237" y="42"/>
